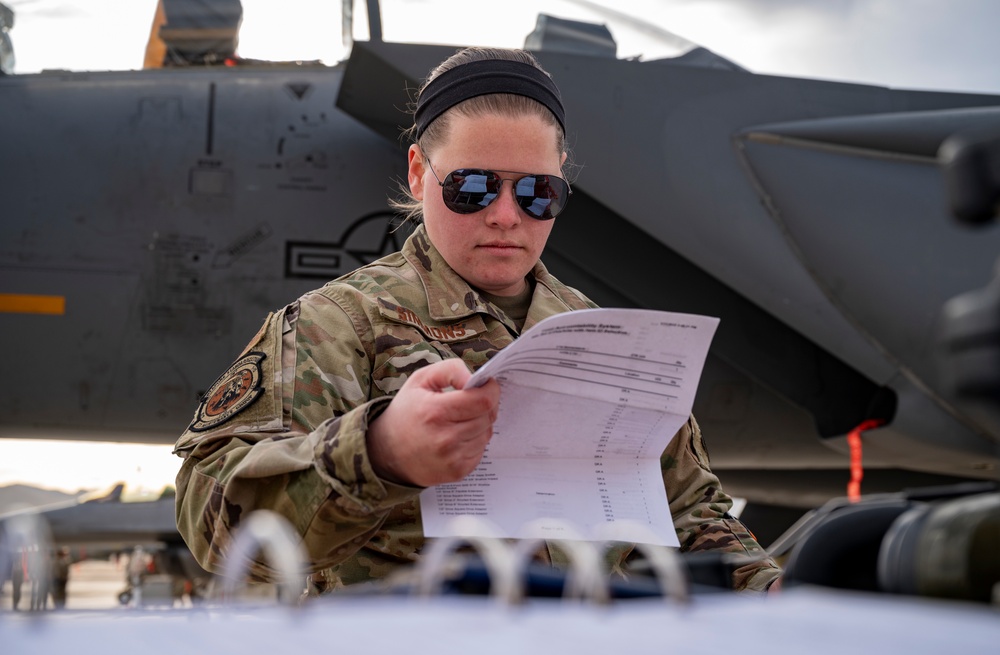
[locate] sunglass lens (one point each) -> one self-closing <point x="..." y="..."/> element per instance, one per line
<point x="541" y="196"/>
<point x="468" y="190"/>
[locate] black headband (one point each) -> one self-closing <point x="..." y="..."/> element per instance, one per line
<point x="479" y="78"/>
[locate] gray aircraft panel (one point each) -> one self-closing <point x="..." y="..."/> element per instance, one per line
<point x="869" y="227"/>
<point x="924" y="436"/>
<point x="114" y="522"/>
<point x="179" y="208"/>
<point x="882" y="268"/>
<point x="702" y="205"/>
<point x="172" y="209"/>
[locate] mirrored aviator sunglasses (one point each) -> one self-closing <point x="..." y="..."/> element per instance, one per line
<point x="468" y="190"/>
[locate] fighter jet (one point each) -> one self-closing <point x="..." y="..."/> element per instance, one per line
<point x="153" y="218"/>
<point x="111" y="523"/>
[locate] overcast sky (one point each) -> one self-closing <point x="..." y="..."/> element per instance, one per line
<point x="939" y="44"/>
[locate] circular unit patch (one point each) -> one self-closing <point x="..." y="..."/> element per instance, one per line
<point x="234" y="391"/>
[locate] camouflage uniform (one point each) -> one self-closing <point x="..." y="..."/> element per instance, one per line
<point x="285" y="427"/>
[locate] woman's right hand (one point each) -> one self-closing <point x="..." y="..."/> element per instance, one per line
<point x="433" y="430"/>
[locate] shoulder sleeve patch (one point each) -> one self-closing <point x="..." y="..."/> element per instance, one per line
<point x="234" y="391"/>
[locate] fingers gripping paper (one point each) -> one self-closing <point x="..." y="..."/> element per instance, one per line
<point x="589" y="400"/>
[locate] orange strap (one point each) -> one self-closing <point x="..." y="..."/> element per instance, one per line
<point x="857" y="470"/>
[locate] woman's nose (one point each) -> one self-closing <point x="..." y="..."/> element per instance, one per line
<point x="504" y="212"/>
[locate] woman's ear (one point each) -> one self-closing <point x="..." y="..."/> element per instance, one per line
<point x="415" y="173"/>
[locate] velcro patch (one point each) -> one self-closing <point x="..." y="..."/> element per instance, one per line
<point x="234" y="391"/>
<point x="260" y="335"/>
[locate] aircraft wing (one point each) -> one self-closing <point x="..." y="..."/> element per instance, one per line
<point x="109" y="522"/>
